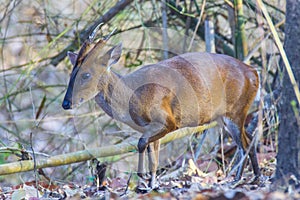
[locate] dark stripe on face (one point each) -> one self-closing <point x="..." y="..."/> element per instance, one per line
<point x="67" y="102"/>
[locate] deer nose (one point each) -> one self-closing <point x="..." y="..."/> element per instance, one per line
<point x="66" y="104"/>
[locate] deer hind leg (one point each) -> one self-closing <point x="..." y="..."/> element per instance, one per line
<point x="243" y="141"/>
<point x="254" y="161"/>
<point x="235" y="133"/>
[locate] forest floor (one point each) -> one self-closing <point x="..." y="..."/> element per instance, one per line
<point x="202" y="180"/>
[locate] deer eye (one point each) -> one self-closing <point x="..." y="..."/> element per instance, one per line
<point x="85" y="76"/>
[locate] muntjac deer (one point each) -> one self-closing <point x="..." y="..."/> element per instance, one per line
<point x="184" y="91"/>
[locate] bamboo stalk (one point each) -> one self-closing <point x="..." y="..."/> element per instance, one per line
<point x="241" y="49"/>
<point x="84" y="155"/>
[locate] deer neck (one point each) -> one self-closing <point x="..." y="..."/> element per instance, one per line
<point x="113" y="94"/>
<point x="107" y="83"/>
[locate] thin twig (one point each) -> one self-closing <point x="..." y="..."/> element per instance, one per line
<point x="198" y="24"/>
<point x="14" y="149"/>
<point x="222" y="149"/>
<point x="127" y="185"/>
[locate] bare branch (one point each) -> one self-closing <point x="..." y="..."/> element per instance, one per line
<point x="55" y="60"/>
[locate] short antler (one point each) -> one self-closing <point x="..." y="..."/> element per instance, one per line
<point x="93" y="34"/>
<point x="109" y="35"/>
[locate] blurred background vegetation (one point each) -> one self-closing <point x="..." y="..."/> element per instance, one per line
<point x="36" y="34"/>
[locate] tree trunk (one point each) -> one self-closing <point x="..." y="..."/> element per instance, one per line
<point x="288" y="157"/>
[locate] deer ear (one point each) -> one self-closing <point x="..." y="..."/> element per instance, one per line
<point x="72" y="56"/>
<point x="115" y="55"/>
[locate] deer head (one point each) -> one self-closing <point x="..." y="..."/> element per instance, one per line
<point x="89" y="66"/>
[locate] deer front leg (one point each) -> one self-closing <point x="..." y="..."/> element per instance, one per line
<point x="142" y="145"/>
<point x="153" y="157"/>
<point x="144" y="141"/>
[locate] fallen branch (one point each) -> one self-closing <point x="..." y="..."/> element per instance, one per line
<point x="80" y="156"/>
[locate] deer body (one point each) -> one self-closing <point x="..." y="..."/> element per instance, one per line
<point x="187" y="90"/>
<point x="182" y="89"/>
